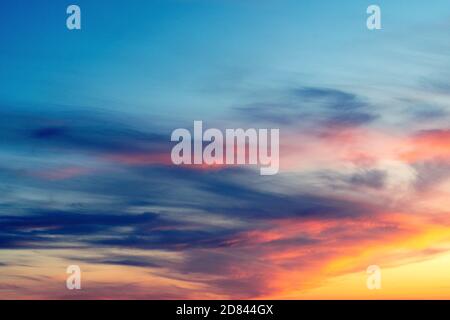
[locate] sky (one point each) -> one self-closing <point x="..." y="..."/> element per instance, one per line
<point x="86" y="177"/>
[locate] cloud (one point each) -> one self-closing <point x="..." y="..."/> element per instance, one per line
<point x="56" y="229"/>
<point x="121" y="260"/>
<point x="96" y="184"/>
<point x="371" y="178"/>
<point x="431" y="173"/>
<point x="69" y="129"/>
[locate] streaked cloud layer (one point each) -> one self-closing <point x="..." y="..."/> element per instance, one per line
<point x="86" y="176"/>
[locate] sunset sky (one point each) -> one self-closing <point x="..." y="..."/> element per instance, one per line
<point x="86" y="176"/>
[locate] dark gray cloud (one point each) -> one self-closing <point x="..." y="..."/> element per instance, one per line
<point x="49" y="229"/>
<point x="431" y="173"/>
<point x="370" y="178"/>
<point x="312" y="106"/>
<point x="76" y="130"/>
<point x="122" y="260"/>
<point x="106" y="209"/>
